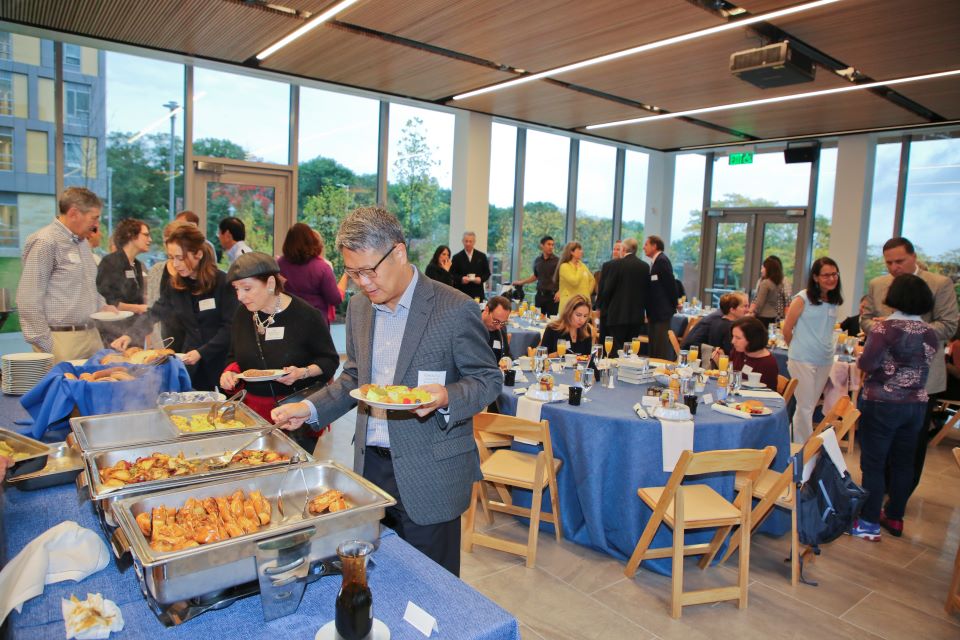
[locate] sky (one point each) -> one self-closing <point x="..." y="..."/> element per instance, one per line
<point x="253" y="112"/>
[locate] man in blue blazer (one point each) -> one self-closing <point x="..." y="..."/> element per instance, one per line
<point x="662" y="298"/>
<point x="407" y="329"/>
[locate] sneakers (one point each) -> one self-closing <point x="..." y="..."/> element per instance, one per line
<point x="866" y="530"/>
<point x="895" y="527"/>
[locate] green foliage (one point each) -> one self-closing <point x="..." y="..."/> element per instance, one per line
<point x="219" y="148"/>
<point x="320" y="172"/>
<point x="9" y="279"/>
<point x="324" y="211"/>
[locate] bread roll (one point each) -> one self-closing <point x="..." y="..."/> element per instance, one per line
<point x="69" y="376"/>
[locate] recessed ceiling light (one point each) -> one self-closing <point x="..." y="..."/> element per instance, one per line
<point x="796" y="96"/>
<point x="310" y="25"/>
<point x="646" y="47"/>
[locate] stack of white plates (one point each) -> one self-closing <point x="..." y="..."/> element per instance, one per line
<point x="22" y="371"/>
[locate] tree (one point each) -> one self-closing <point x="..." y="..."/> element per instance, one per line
<point x="326" y="172"/>
<point x="219" y="148"/>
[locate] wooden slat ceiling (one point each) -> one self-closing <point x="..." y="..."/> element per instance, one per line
<point x="434" y="49"/>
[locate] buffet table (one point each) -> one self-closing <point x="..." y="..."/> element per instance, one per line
<point x="608" y="453"/>
<point x="401" y="574"/>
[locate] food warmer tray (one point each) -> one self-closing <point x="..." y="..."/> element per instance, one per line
<point x="170" y="577"/>
<point x="36" y="453"/>
<point x="64" y="464"/>
<point x="250" y="418"/>
<point x="89" y="482"/>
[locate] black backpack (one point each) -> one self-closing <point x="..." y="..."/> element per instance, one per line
<point x="828" y="503"/>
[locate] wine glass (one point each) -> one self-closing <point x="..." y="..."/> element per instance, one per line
<point x="608" y="345"/>
<point x="587" y="379"/>
<point x="635" y="346"/>
<point x="562" y="346"/>
<point x="736" y="380"/>
<point x="850" y="345"/>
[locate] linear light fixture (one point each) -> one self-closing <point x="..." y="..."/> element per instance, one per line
<point x="796" y="96"/>
<point x="646" y="47"/>
<point x="307" y="27"/>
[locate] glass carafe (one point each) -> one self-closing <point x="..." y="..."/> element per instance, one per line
<point x="354" y="609"/>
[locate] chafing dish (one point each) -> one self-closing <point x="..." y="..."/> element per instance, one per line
<point x="35" y="453"/>
<point x="64" y="464"/>
<point x="168" y="578"/>
<point x="213" y="445"/>
<point x="112" y="430"/>
<point x="250" y="418"/>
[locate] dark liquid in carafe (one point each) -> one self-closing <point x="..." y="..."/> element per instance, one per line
<point x="354" y="616"/>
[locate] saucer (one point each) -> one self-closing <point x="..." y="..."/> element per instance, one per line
<point x="751" y="385"/>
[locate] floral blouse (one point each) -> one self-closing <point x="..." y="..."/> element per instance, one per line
<point x="896" y="359"/>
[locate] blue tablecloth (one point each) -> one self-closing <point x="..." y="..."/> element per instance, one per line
<point x="401" y="574"/>
<point x="781" y="357"/>
<point x="523" y="337"/>
<point x="55" y="397"/>
<point x="608" y="453"/>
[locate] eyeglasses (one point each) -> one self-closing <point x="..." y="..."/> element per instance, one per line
<point x="371" y="273"/>
<point x="829" y="276"/>
<point x="499" y="323"/>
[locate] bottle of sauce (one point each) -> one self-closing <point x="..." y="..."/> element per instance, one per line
<point x="354" y="608"/>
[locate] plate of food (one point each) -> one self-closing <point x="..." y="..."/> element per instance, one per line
<point x="111" y="316"/>
<point x="261" y="375"/>
<point x="752" y="407"/>
<point x="392" y="396"/>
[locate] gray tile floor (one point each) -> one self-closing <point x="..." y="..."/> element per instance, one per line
<point x="892" y="589"/>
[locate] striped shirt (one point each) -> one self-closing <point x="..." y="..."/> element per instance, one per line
<point x="58" y="284"/>
<point x="388" y="328"/>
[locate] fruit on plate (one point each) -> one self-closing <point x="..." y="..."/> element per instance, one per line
<point x="395" y="394"/>
<point x="753" y="407"/>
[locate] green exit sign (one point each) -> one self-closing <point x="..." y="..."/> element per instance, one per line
<point x="741" y="158"/>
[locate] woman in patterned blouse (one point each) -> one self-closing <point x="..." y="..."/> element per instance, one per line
<point x="896" y="359"/>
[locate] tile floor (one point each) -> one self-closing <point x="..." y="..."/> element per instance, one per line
<point x="891" y="589"/>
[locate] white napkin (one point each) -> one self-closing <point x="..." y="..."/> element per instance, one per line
<point x="676" y="436"/>
<point x="528" y="409"/>
<point x="520" y="377"/>
<point x="77" y="614"/>
<point x="64" y="552"/>
<point x="760" y="394"/>
<point x="719" y="408"/>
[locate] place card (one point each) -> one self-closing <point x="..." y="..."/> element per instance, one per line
<point x="649" y="401"/>
<point x="746" y="369"/>
<point x="640" y="412"/>
<point x="708" y="398"/>
<point x="420" y="619"/>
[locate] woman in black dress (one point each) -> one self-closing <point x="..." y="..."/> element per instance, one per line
<point x="202" y="302"/>
<point x="439" y="267"/>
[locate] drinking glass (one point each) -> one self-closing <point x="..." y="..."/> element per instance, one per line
<point x="587" y="379"/>
<point x="736" y="380"/>
<point x="626" y="349"/>
<point x="682" y="357"/>
<point x="596" y="351"/>
<point x="635" y="346"/>
<point x="562" y="346"/>
<point x="608" y="345"/>
<point x="693" y="356"/>
<point x="850" y="345"/>
<point x="723" y="362"/>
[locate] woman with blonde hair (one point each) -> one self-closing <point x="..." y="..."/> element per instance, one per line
<point x="573" y="325"/>
<point x="572" y="276"/>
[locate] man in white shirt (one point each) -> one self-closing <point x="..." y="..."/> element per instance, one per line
<point x="232" y="234"/>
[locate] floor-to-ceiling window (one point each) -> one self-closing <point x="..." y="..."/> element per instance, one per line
<point x="883" y="207"/>
<point x="595" y="193"/>
<point x="634" y="194"/>
<point x="686" y="225"/>
<point x="546" y="173"/>
<point x="500" y="228"/>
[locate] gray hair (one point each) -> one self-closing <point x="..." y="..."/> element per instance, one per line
<point x="469" y="233"/>
<point x="630" y="245"/>
<point x="369" y="228"/>
<point x="83" y="199"/>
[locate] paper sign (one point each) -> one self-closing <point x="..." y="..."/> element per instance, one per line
<point x="207" y="304"/>
<point x="431" y="377"/>
<point x="274" y="333"/>
<point x="708" y="398"/>
<point x="420" y="620"/>
<point x="747" y="369"/>
<point x="649" y="401"/>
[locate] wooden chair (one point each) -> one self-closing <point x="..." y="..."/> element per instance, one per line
<point x="674" y="343"/>
<point x="953" y="596"/>
<point x="690" y="325"/>
<point x="697" y="506"/>
<point x="786" y="387"/>
<point x="491" y="439"/>
<point x="949" y="425"/>
<point x="843" y="417"/>
<point x="774" y="488"/>
<point x="505" y="468"/>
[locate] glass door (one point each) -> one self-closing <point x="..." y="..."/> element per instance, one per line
<point x="258" y="198"/>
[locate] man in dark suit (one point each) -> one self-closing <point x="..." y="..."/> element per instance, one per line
<point x="407" y="329"/>
<point x="624" y="286"/>
<point x="494" y="317"/>
<point x="469" y="268"/>
<point x="662" y="302"/>
<point x="598" y="302"/>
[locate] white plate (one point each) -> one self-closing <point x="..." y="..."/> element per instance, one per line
<point x="356" y="395"/>
<point x="277" y="373"/>
<point x="750" y="385"/>
<point x="547" y="396"/>
<point x="766" y="411"/>
<point x="77" y="363"/>
<point x="109" y="316"/>
<point x="26" y="357"/>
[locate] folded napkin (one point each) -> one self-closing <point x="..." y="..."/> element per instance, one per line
<point x="760" y="394"/>
<point x="520" y="377"/>
<point x="90" y="619"/>
<point x="719" y="408"/>
<point x="676" y="436"/>
<point x="64" y="552"/>
<point x="528" y="409"/>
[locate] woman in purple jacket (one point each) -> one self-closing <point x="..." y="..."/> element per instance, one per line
<point x="306" y="273"/>
<point x="896" y="359"/>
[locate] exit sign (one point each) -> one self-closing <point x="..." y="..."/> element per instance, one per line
<point x="741" y="158"/>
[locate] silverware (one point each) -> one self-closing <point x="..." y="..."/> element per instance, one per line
<point x="231" y="410"/>
<point x="222" y="461"/>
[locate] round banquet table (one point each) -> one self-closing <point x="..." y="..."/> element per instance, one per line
<point x="608" y="453"/>
<point x="523" y="336"/>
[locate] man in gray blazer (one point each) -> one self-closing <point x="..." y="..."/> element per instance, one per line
<point x="406" y="329"/>
<point x="900" y="258"/>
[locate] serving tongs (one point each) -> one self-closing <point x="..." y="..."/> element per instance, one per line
<point x="230" y="410"/>
<point x="220" y="462"/>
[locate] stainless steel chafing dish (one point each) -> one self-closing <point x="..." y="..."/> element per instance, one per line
<point x="34" y="453"/>
<point x="168" y="578"/>
<point x="193" y="448"/>
<point x="250" y="418"/>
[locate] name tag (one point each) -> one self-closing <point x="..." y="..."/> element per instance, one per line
<point x="431" y="377"/>
<point x="130" y="274"/>
<point x="74" y="258"/>
<point x="496" y="344"/>
<point x="274" y="333"/>
<point x="654" y="278"/>
<point x="207" y="304"/>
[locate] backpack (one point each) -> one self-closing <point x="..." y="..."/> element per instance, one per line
<point x="828" y="503"/>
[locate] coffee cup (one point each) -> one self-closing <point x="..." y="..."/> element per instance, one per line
<point x="524" y="362"/>
<point x="575" y="395"/>
<point x="753" y="378"/>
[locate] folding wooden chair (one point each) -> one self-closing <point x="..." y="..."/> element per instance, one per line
<point x="690" y="325"/>
<point x="674" y="343"/>
<point x="773" y="488"/>
<point x="697" y="506"/>
<point x="950" y="424"/>
<point x="953" y="596"/>
<point x="786" y="387"/>
<point x="505" y="468"/>
<point x="843" y="417"/>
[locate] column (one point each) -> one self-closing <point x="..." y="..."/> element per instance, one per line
<point x="660" y="173"/>
<point x="470" y="197"/>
